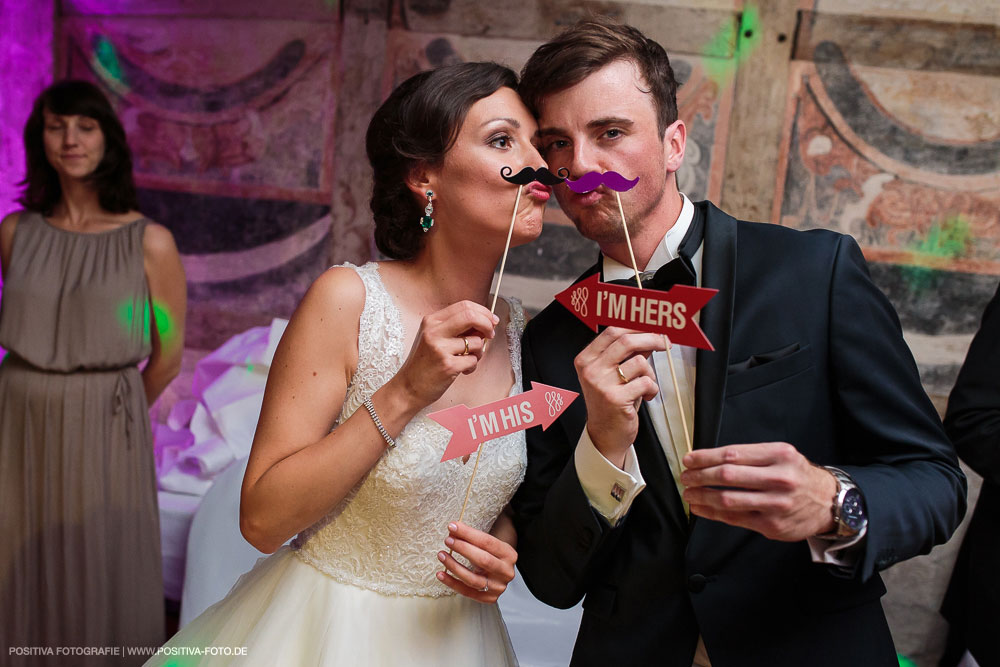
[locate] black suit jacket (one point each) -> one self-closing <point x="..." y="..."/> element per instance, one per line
<point x="972" y="605"/>
<point x="843" y="389"/>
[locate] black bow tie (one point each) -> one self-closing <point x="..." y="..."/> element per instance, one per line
<point x="680" y="270"/>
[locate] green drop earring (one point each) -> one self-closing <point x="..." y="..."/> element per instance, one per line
<point x="426" y="221"/>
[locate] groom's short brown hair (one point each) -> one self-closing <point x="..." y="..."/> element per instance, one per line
<point x="586" y="47"/>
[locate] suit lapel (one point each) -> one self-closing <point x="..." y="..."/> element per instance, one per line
<point x="718" y="268"/>
<point x="656" y="469"/>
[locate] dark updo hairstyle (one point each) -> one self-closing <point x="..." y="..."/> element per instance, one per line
<point x="418" y="124"/>
<point x="113" y="177"/>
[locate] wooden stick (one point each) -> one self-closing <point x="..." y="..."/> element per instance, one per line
<point x="677" y="393"/>
<point x="628" y="240"/>
<point x="503" y="262"/>
<point x="666" y="341"/>
<point x="468" y="489"/>
<point x="496" y="293"/>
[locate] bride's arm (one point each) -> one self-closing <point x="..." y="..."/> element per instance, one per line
<point x="298" y="468"/>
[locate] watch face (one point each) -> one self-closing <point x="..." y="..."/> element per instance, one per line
<point x="852" y="512"/>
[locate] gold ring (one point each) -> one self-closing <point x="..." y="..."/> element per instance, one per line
<point x="621" y="376"/>
<point x="466" y="341"/>
<point x="486" y="587"/>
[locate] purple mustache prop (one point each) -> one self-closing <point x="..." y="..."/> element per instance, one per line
<point x="594" y="179"/>
<point x="528" y="174"/>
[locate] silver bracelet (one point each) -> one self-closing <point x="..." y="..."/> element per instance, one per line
<point x="378" y="424"/>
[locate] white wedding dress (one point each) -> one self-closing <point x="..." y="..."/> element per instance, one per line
<point x="359" y="587"/>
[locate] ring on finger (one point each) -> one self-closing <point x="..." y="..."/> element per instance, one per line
<point x="486" y="587"/>
<point x="621" y="376"/>
<point x="466" y="351"/>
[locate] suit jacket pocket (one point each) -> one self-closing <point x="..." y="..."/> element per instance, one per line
<point x="764" y="369"/>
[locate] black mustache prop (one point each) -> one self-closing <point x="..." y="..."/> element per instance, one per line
<point x="528" y="174"/>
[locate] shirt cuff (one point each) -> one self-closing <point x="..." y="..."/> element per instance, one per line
<point x="609" y="488"/>
<point x="836" y="552"/>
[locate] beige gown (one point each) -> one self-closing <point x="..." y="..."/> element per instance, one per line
<point x="80" y="545"/>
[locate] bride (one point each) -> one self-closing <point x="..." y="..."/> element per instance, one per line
<point x="344" y="455"/>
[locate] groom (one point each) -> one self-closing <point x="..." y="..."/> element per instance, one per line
<point x="818" y="459"/>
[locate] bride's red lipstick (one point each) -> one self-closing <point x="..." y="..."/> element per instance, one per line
<point x="538" y="190"/>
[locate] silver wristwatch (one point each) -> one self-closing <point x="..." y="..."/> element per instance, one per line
<point x="850" y="515"/>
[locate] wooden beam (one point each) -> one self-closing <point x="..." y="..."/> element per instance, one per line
<point x="905" y="43"/>
<point x="702" y="31"/>
<point x="362" y="49"/>
<point x="752" y="154"/>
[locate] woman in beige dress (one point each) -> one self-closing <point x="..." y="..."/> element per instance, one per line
<point x="91" y="288"/>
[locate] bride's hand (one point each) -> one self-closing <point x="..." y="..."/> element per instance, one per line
<point x="449" y="342"/>
<point x="492" y="560"/>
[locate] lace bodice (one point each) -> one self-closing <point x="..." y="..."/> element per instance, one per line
<point x="385" y="535"/>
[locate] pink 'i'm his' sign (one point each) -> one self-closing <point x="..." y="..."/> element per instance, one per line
<point x="471" y="426"/>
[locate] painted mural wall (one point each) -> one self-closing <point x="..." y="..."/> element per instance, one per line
<point x="232" y="111"/>
<point x="231" y="125"/>
<point x="908" y="162"/>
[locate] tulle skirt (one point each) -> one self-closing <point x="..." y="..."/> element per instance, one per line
<point x="286" y="612"/>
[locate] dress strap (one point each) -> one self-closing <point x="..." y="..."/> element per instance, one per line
<point x="380" y="339"/>
<point x="381" y="322"/>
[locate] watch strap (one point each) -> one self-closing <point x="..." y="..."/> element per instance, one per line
<point x="844" y="484"/>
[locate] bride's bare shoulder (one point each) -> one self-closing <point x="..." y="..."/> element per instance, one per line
<point x="340" y="288"/>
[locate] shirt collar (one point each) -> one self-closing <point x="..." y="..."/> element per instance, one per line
<point x="666" y="249"/>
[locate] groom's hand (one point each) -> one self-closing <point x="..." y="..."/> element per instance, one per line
<point x="615" y="374"/>
<point x="768" y="487"/>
